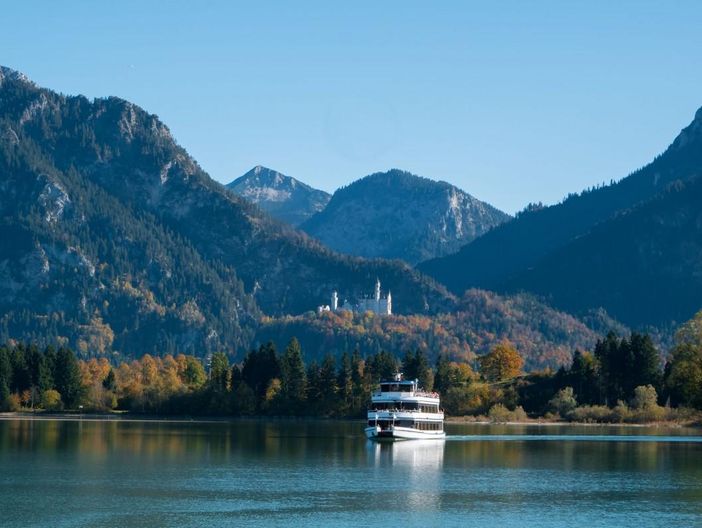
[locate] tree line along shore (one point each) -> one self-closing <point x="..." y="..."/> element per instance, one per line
<point x="622" y="380"/>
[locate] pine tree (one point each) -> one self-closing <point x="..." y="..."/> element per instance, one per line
<point x="293" y="379"/>
<point x="67" y="378"/>
<point x="345" y="384"/>
<point x="327" y="384"/>
<point x="442" y="378"/>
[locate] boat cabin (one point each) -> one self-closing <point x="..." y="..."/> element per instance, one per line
<point x="398" y="386"/>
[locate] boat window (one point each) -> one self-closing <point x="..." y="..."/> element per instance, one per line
<point x="396" y="387"/>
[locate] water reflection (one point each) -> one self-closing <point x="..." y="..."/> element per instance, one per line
<point x="420" y="463"/>
<point x="315" y="473"/>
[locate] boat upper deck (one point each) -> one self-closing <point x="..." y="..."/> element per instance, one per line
<point x="402" y="390"/>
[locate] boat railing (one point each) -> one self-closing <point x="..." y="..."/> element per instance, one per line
<point x="421" y="394"/>
<point x="395" y="409"/>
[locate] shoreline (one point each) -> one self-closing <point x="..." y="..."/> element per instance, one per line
<point x="456" y="420"/>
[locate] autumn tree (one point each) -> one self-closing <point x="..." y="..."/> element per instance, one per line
<point x="219" y="373"/>
<point x="193" y="373"/>
<point x="502" y="363"/>
<point x="684" y="370"/>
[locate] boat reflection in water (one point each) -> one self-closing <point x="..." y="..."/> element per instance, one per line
<point x="413" y="469"/>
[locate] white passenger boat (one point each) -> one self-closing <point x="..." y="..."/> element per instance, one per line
<point x="400" y="410"/>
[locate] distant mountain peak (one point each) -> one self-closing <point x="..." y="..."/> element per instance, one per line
<point x="282" y="196"/>
<point x="397" y="214"/>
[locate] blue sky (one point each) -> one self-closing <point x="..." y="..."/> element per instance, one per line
<point x="514" y="102"/>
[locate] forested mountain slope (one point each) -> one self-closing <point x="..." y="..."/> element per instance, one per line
<point x="644" y="265"/>
<point x="508" y="251"/>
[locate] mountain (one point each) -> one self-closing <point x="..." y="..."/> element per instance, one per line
<point x="398" y="215"/>
<point x="497" y="259"/>
<point x="283" y="197"/>
<point x="113" y="238"/>
<point x="644" y="265"/>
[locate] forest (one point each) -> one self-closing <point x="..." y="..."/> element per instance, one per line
<point x="622" y="379"/>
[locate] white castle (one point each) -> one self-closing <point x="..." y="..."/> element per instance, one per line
<point x="376" y="304"/>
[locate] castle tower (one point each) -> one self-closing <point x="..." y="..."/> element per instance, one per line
<point x="334" y="301"/>
<point x="377" y="289"/>
<point x="389" y="304"/>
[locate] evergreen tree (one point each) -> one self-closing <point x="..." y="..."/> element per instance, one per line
<point x="293" y="380"/>
<point x="5" y="375"/>
<point x="415" y="366"/>
<point x="582" y="376"/>
<point x="442" y="378"/>
<point x="361" y="393"/>
<point x="646" y="369"/>
<point x="626" y="364"/>
<point x="607" y="353"/>
<point x="327" y="386"/>
<point x="110" y="383"/>
<point x="67" y="378"/>
<point x="259" y="368"/>
<point x="383" y="366"/>
<point x="345" y="384"/>
<point x="314" y="388"/>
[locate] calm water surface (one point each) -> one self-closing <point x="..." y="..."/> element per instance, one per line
<point x="124" y="474"/>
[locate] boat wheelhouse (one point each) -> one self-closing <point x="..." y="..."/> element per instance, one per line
<point x="401" y="410"/>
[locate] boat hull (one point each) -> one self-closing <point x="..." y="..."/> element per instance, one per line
<point x="402" y="433"/>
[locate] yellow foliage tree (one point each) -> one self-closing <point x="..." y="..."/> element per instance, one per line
<point x="503" y="362"/>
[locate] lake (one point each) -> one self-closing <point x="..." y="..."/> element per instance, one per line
<point x="59" y="473"/>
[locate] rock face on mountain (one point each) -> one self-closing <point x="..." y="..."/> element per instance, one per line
<point x="509" y="257"/>
<point x="398" y="215"/>
<point x="113" y="238"/>
<point x="283" y="197"/>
